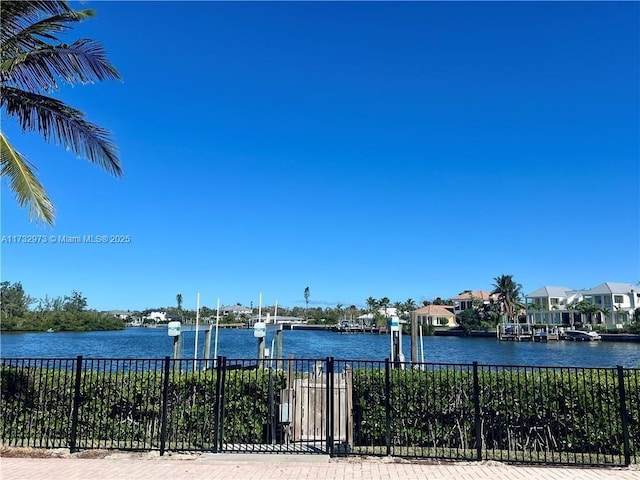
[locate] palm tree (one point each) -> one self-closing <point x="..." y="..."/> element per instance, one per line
<point x="400" y="311"/>
<point x="621" y="315"/>
<point x="409" y="305"/>
<point x="179" y="302"/>
<point x="509" y="293"/>
<point x="536" y="307"/>
<point x="372" y="303"/>
<point x="306" y="298"/>
<point x="587" y="310"/>
<point x="32" y="62"/>
<point x="384" y="304"/>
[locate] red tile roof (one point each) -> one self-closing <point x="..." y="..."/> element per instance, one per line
<point x="435" y="311"/>
<point x="479" y="294"/>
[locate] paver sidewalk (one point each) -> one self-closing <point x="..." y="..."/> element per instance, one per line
<point x="283" y="467"/>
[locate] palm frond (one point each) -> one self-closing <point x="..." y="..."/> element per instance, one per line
<point x="15" y="15"/>
<point x="63" y="125"/>
<point x="28" y="38"/>
<point x="31" y="63"/>
<point x="24" y="183"/>
<point x="84" y="61"/>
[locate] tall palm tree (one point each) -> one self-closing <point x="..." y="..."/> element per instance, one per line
<point x="384" y="303"/>
<point x="372" y="303"/>
<point x="509" y="293"/>
<point x="409" y="305"/>
<point x="400" y="311"/>
<point x="306" y="298"/>
<point x="32" y="63"/>
<point x="179" y="302"/>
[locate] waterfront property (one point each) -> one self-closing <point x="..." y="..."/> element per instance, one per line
<point x="471" y="298"/>
<point x="157" y="317"/>
<point x="435" y="315"/>
<point x="550" y="415"/>
<point x="609" y="304"/>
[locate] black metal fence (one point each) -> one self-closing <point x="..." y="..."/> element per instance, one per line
<point x="519" y="414"/>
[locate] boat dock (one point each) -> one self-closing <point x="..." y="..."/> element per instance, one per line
<point x="528" y="333"/>
<point x="354" y="328"/>
<point x="517" y="332"/>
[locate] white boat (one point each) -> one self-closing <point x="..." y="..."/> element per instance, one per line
<point x="541" y="336"/>
<point x="580" y="335"/>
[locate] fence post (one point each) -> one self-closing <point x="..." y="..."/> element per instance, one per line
<point x="219" y="394"/>
<point x="222" y="361"/>
<point x="387" y="403"/>
<point x="76" y="406"/>
<point x="476" y="405"/>
<point x="165" y="404"/>
<point x="624" y="416"/>
<point x="330" y="406"/>
<point x="326" y="401"/>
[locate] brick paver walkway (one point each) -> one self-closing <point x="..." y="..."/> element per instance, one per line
<point x="275" y="467"/>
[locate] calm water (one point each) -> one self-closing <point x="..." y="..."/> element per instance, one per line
<point x="155" y="343"/>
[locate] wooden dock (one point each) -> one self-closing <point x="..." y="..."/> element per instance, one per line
<point x="517" y="332"/>
<point x="516" y="337"/>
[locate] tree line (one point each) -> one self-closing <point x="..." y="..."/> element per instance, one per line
<point x="65" y="313"/>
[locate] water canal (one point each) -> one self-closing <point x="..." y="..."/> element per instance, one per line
<point x="155" y="343"/>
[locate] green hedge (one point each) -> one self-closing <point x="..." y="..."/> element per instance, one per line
<point x="120" y="410"/>
<point x="522" y="410"/>
<point x="427" y="408"/>
<point x="543" y="410"/>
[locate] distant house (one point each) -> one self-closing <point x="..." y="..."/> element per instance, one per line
<point x="549" y="297"/>
<point x="235" y="310"/>
<point x="465" y="300"/>
<point x="121" y="314"/>
<point x="550" y="305"/>
<point x="157" y="316"/>
<point x="279" y="319"/>
<point x="555" y="305"/>
<point x="436" y="315"/>
<point x="385" y="312"/>
<point x="616" y="301"/>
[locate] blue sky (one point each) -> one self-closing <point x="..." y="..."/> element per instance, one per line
<point x="407" y="150"/>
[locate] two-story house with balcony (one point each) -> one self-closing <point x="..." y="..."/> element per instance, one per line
<point x="470" y="298"/>
<point x="551" y="305"/>
<point x="616" y="301"/>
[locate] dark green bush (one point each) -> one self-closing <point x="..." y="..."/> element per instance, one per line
<point x="526" y="410"/>
<point x="541" y="410"/>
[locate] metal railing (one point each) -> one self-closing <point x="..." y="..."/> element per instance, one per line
<point x="517" y="414"/>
